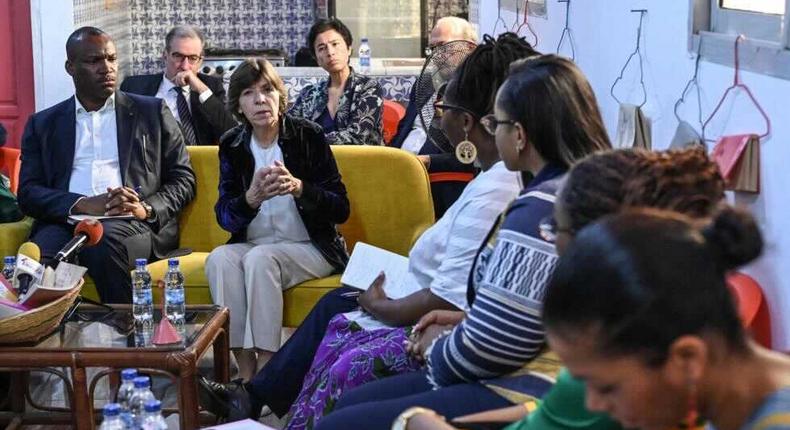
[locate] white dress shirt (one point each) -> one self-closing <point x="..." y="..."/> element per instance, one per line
<point x="278" y="220"/>
<point x="95" y="164"/>
<point x="164" y="92"/>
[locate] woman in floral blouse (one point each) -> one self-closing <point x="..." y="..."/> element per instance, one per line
<point x="347" y="105"/>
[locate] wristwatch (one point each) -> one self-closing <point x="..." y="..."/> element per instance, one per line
<point x="149" y="211"/>
<point x="402" y="421"/>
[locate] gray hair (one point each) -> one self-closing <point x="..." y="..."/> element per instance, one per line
<point x="184" y="31"/>
<point x="461" y="28"/>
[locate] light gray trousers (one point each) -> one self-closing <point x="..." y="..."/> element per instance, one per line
<point x="250" y="279"/>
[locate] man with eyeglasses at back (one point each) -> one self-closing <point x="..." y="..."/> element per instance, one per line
<point x="196" y="100"/>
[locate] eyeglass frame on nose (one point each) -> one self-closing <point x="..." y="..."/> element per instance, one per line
<point x="490" y="123"/>
<point x="549" y="230"/>
<point x="440" y="106"/>
<point x="179" y="57"/>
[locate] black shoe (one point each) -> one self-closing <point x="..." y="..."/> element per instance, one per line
<point x="229" y="402"/>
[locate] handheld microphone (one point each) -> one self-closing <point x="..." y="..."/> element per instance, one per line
<point x="28" y="269"/>
<point x="87" y="233"/>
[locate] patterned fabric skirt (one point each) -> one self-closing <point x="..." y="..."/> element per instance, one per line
<point x="348" y="357"/>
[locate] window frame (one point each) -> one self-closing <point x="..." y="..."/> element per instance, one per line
<point x="713" y="27"/>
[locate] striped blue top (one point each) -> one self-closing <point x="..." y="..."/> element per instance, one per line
<point x="502" y="330"/>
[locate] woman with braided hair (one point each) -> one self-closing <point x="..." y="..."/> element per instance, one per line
<point x="361" y="347"/>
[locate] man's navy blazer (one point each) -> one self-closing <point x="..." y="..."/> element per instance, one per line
<point x="151" y="156"/>
<point x="210" y="119"/>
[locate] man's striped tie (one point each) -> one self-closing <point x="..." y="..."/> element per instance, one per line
<point x="185" y="117"/>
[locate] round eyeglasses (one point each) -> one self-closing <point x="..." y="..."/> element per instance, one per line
<point x="490" y="123"/>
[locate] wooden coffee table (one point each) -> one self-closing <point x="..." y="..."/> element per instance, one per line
<point x="94" y="338"/>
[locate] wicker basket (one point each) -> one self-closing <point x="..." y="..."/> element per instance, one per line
<point x="36" y="323"/>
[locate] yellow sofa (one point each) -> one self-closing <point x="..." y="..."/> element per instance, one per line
<point x="391" y="206"/>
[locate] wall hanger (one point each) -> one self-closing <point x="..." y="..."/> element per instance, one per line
<point x="567" y="30"/>
<point x="499" y="18"/>
<point x="638" y="53"/>
<point x="525" y="23"/>
<point x="738" y="84"/>
<point x="695" y="82"/>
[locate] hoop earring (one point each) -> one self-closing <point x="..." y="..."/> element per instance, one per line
<point x="466" y="151"/>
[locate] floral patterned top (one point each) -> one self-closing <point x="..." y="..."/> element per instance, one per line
<point x="358" y="117"/>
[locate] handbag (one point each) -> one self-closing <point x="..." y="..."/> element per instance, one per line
<point x="738" y="158"/>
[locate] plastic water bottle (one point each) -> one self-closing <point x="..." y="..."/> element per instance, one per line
<point x="142" y="297"/>
<point x="364" y="56"/>
<point x="9" y="265"/>
<point x="153" y="416"/>
<point x="112" y="418"/>
<point x="141" y="394"/>
<point x="174" y="294"/>
<point x="126" y="389"/>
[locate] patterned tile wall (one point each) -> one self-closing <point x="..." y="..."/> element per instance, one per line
<point x="440" y="8"/>
<point x="245" y="24"/>
<point x="114" y="17"/>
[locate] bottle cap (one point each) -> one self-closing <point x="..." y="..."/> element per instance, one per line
<point x="153" y="405"/>
<point x="140" y="262"/>
<point x="128" y="374"/>
<point x="172" y="262"/>
<point x="142" y="382"/>
<point x="112" y="410"/>
<point x="9" y="259"/>
<point x="364" y="40"/>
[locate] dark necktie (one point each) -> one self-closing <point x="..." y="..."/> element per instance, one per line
<point x="185" y="117"/>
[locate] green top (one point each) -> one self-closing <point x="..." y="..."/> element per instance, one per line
<point x="9" y="211"/>
<point x="563" y="408"/>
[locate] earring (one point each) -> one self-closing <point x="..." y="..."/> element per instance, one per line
<point x="466" y="151"/>
<point x="692" y="420"/>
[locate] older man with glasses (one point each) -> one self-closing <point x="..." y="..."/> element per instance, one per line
<point x="196" y="100"/>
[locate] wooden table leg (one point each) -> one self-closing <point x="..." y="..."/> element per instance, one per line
<point x="221" y="348"/>
<point x="83" y="409"/>
<point x="188" y="398"/>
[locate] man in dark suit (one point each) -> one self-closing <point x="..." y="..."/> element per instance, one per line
<point x="195" y="99"/>
<point x="104" y="152"/>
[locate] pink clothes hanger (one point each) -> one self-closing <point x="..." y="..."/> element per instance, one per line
<point x="525" y="23"/>
<point x="738" y="84"/>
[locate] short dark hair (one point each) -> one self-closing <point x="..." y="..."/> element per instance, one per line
<point x="247" y="74"/>
<point x="476" y="80"/>
<point x="555" y="104"/>
<point x="685" y="181"/>
<point x="78" y="35"/>
<point x="323" y="25"/>
<point x="638" y="280"/>
<point x="187" y="31"/>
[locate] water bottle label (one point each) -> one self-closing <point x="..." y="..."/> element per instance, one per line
<point x="143" y="297"/>
<point x="175" y="296"/>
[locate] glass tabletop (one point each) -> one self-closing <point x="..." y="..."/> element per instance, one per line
<point x="101" y="327"/>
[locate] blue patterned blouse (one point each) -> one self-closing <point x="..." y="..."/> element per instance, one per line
<point x="358" y="117"/>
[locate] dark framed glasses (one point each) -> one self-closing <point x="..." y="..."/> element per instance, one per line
<point x="549" y="230"/>
<point x="490" y="123"/>
<point x="179" y="57"/>
<point x="440" y="106"/>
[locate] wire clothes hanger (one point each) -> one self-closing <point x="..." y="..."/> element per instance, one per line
<point x="567" y="30"/>
<point x="637" y="53"/>
<point x="695" y="82"/>
<point x="525" y="23"/>
<point x="499" y="17"/>
<point x="740" y="85"/>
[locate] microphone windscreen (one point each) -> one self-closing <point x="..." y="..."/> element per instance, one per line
<point x="31" y="250"/>
<point x="91" y="228"/>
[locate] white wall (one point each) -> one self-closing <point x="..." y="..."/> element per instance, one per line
<point x="605" y="34"/>
<point x="52" y="22"/>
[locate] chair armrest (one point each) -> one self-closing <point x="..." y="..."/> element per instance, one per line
<point x="13" y="234"/>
